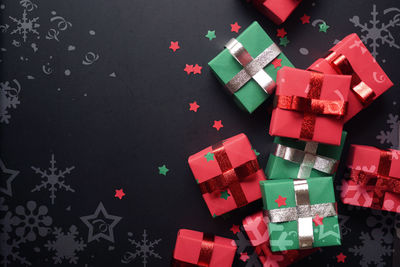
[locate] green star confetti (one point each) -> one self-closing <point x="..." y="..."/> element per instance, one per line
<point x="323" y="27"/>
<point x="225" y="194"/>
<point x="255" y="151"/>
<point x="211" y="35"/>
<point x="209" y="156"/>
<point x="284" y="41"/>
<point x="163" y="170"/>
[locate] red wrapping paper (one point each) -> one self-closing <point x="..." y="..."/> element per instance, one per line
<point x="368" y="160"/>
<point x="256" y="227"/>
<point x="298" y="83"/>
<point x="239" y="153"/>
<point x="363" y="64"/>
<point x="276" y="10"/>
<point x="190" y="247"/>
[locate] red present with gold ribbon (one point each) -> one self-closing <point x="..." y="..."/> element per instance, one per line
<point x="276" y="10"/>
<point x="374" y="178"/>
<point x="310" y="106"/>
<point x="351" y="57"/>
<point x="194" y="248"/>
<point x="256" y="228"/>
<point x="228" y="174"/>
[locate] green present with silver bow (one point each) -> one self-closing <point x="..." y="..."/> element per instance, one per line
<point x="301" y="213"/>
<point x="245" y="67"/>
<point x="293" y="158"/>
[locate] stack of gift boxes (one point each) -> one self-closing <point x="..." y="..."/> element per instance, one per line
<point x="310" y="108"/>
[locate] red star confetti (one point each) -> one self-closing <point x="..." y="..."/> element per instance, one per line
<point x="218" y="125"/>
<point x="281" y="33"/>
<point x="318" y="220"/>
<point x="119" y="193"/>
<point x="341" y="257"/>
<point x="197" y="69"/>
<point x="277" y="63"/>
<point x="235" y="27"/>
<point x="244" y="256"/>
<point x="281" y="201"/>
<point x="235" y="229"/>
<point x="174" y="46"/>
<point x="305" y="19"/>
<point x="188" y="69"/>
<point x="193" y="106"/>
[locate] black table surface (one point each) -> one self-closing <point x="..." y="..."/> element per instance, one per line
<point x="93" y="100"/>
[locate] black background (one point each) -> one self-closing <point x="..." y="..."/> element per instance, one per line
<point x="117" y="131"/>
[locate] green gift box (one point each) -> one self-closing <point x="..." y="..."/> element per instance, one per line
<point x="293" y="158"/>
<point x="302" y="213"/>
<point x="245" y="82"/>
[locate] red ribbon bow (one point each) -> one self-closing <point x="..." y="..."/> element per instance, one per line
<point x="381" y="181"/>
<point x="230" y="177"/>
<point x="342" y="66"/>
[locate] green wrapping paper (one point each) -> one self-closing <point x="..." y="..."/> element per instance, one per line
<point x="255" y="41"/>
<point x="279" y="168"/>
<point x="285" y="235"/>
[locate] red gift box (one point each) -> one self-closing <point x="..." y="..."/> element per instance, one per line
<point x="256" y="227"/>
<point x="351" y="57"/>
<point x="228" y="174"/>
<point x="194" y="248"/>
<point x="374" y="178"/>
<point x="310" y="105"/>
<point x="276" y="10"/>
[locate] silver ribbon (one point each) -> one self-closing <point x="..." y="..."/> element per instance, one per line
<point x="308" y="159"/>
<point x="252" y="67"/>
<point x="303" y="213"/>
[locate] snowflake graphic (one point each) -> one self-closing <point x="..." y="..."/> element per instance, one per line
<point x="391" y="137"/>
<point x="8" y="99"/>
<point x="143" y="249"/>
<point x="66" y="245"/>
<point x="243" y="244"/>
<point x="25" y="25"/>
<point x="9" y="251"/>
<point x="385" y="221"/>
<point x="372" y="249"/>
<point x="377" y="33"/>
<point x="53" y="180"/>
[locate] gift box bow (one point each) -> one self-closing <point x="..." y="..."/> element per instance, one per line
<point x="303" y="213"/>
<point x="253" y="68"/>
<point x="230" y="177"/>
<point x="312" y="106"/>
<point x="381" y="181"/>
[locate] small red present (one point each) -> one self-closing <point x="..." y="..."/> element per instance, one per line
<point x="276" y="10"/>
<point x="228" y="174"/>
<point x="256" y="227"/>
<point x="374" y="178"/>
<point x="194" y="248"/>
<point x="310" y="106"/>
<point x="351" y="57"/>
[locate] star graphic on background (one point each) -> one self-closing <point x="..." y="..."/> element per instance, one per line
<point x="235" y="229"/>
<point x="7" y="177"/>
<point x="281" y="32"/>
<point x="341" y="257"/>
<point x="163" y="170"/>
<point x="101" y="224"/>
<point x="174" y="46"/>
<point x="193" y="106"/>
<point x="119" y="193"/>
<point x="305" y="19"/>
<point x="209" y="156"/>
<point x="244" y="256"/>
<point x="318" y="220"/>
<point x="277" y="63"/>
<point x="284" y="41"/>
<point x="218" y="125"/>
<point x="197" y="69"/>
<point x="224" y="194"/>
<point x="188" y="69"/>
<point x="323" y="27"/>
<point x="281" y="201"/>
<point x="235" y="27"/>
<point x="211" y="35"/>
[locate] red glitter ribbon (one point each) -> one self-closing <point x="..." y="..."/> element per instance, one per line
<point x="342" y="66"/>
<point x="206" y="250"/>
<point x="311" y="105"/>
<point x="381" y="181"/>
<point x="230" y="177"/>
